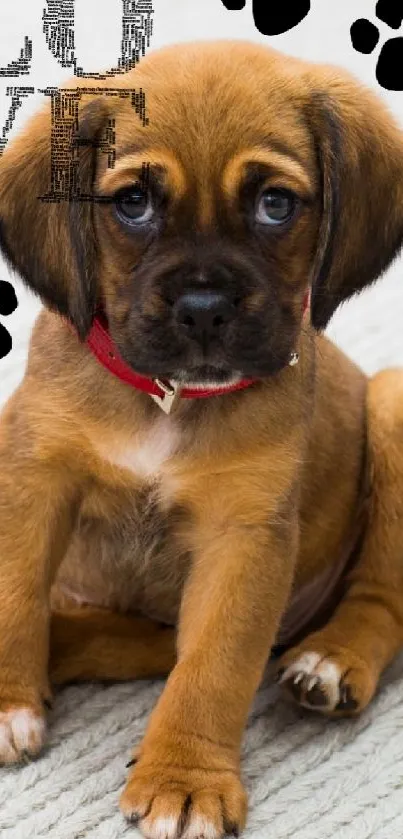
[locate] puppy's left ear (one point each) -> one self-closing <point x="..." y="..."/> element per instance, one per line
<point x="360" y="158"/>
<point x="52" y="244"/>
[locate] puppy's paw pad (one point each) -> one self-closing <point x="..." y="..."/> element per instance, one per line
<point x="316" y="681"/>
<point x="348" y="703"/>
<point x="313" y="681"/>
<point x="334" y="681"/>
<point x="22" y="734"/>
<point x="195" y="805"/>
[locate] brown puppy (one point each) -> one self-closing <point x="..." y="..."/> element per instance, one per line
<point x="267" y="176"/>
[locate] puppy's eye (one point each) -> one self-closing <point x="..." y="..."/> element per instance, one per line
<point x="134" y="206"/>
<point x="275" y="206"/>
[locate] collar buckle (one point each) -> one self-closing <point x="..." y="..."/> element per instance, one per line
<point x="171" y="395"/>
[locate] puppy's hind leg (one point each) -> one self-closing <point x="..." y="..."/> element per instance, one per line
<point x="336" y="670"/>
<point x="88" y="643"/>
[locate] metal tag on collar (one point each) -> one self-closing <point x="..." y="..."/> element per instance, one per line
<point x="171" y="395"/>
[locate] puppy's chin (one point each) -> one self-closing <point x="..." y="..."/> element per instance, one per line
<point x="206" y="376"/>
<point x="197" y="372"/>
<point x="210" y="376"/>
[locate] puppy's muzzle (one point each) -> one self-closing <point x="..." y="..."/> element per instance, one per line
<point x="204" y="315"/>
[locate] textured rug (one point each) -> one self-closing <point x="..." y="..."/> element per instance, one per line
<point x="308" y="778"/>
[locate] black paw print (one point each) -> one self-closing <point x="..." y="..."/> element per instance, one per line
<point x="273" y="17"/>
<point x="365" y="36"/>
<point x="8" y="304"/>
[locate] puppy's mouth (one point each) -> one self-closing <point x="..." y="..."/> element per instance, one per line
<point x="230" y="327"/>
<point x="206" y="375"/>
<point x="250" y="347"/>
<point x="210" y="375"/>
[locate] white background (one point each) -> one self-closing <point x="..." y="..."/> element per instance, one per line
<point x="369" y="328"/>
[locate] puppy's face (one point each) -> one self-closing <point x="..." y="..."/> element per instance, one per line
<point x="254" y="177"/>
<point x="209" y="231"/>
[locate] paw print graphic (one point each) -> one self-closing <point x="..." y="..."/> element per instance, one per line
<point x="273" y="18"/>
<point x="8" y="304"/>
<point x="365" y="36"/>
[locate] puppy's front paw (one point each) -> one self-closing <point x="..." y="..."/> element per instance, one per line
<point x="326" y="677"/>
<point x="168" y="801"/>
<point x="22" y="734"/>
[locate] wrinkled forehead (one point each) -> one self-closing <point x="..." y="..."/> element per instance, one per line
<point x="208" y="130"/>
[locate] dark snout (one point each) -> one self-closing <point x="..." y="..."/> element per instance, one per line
<point x="203" y="315"/>
<point x="206" y="318"/>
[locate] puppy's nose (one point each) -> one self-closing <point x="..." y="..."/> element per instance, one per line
<point x="202" y="314"/>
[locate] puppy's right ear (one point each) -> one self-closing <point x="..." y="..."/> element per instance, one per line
<point x="51" y="243"/>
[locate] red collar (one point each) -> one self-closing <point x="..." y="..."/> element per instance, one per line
<point x="164" y="393"/>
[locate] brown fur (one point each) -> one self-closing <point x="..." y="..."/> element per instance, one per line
<point x="253" y="493"/>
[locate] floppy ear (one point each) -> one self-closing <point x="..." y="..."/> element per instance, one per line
<point x="51" y="243"/>
<point x="360" y="155"/>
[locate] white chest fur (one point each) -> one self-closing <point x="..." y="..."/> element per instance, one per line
<point x="147" y="455"/>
